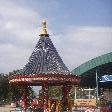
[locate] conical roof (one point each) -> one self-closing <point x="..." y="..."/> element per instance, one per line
<point x="44" y="64"/>
<point x="44" y="58"/>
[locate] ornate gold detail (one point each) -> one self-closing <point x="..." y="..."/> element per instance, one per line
<point x="43" y="32"/>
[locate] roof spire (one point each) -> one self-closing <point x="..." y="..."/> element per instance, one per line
<point x="43" y="32"/>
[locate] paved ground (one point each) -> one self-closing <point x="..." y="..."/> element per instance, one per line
<point x="6" y="109"/>
<point x="10" y="109"/>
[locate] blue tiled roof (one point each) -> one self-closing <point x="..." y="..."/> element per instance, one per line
<point x="44" y="60"/>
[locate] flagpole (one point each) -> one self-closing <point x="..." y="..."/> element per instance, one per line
<point x="97" y="94"/>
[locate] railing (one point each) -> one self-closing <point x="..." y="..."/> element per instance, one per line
<point x="15" y="110"/>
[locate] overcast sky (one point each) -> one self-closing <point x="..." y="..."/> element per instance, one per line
<point x="80" y="30"/>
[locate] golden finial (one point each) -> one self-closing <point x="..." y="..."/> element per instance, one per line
<point x="43" y="32"/>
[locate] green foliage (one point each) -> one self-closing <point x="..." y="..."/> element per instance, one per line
<point x="55" y="92"/>
<point x="11" y="93"/>
<point x="4" y="87"/>
<point x="102" y="101"/>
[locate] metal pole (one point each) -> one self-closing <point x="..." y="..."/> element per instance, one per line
<point x="75" y="93"/>
<point x="89" y="93"/>
<point x="97" y="86"/>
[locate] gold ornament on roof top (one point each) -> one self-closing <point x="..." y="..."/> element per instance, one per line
<point x="43" y="32"/>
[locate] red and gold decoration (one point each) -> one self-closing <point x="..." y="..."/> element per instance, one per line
<point x="46" y="68"/>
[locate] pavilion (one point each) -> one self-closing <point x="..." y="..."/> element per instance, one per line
<point x="45" y="68"/>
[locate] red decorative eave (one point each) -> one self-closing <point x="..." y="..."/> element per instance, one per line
<point x="38" y="79"/>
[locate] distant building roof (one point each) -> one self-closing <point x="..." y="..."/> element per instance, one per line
<point x="91" y="64"/>
<point x="87" y="71"/>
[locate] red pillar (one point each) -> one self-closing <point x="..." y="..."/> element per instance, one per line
<point x="65" y="92"/>
<point x="45" y="96"/>
<point x="24" y="101"/>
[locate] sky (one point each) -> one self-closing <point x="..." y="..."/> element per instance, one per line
<point x="80" y="30"/>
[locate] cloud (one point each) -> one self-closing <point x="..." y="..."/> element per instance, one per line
<point x="19" y="29"/>
<point x="12" y="57"/>
<point x="80" y="44"/>
<point x="17" y="34"/>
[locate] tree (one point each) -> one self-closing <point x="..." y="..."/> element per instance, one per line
<point x="55" y="92"/>
<point x="8" y="92"/>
